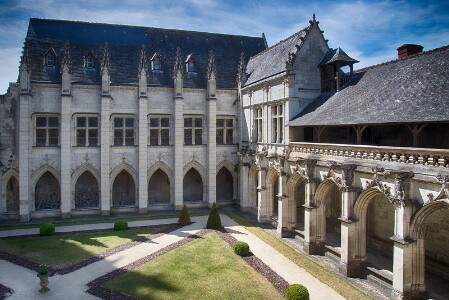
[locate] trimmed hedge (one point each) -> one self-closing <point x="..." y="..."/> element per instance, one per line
<point x="47" y="229"/>
<point x="241" y="248"/>
<point x="120" y="225"/>
<point x="184" y="218"/>
<point x="297" y="292"/>
<point x="214" y="221"/>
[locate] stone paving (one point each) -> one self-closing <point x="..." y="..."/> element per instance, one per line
<point x="25" y="283"/>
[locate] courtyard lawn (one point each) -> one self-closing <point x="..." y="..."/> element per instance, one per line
<point x="205" y="268"/>
<point x="62" y="250"/>
<point x="343" y="287"/>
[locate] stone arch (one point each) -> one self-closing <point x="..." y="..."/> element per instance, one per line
<point x="96" y="193"/>
<point x="124" y="186"/>
<point x="295" y="201"/>
<point x="36" y="176"/>
<point x="159" y="187"/>
<point x="368" y="198"/>
<point x="271" y="199"/>
<point x="253" y="182"/>
<point x="193" y="186"/>
<point x="162" y="167"/>
<point x="233" y="184"/>
<point x="10" y="188"/>
<point x="201" y="171"/>
<point x="47" y="192"/>
<point x="421" y="268"/>
<point x="328" y="198"/>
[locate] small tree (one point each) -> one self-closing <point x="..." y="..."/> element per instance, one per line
<point x="214" y="221"/>
<point x="184" y="218"/>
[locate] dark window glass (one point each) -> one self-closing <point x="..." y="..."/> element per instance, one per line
<point x="93" y="122"/>
<point x="220" y="122"/>
<point x="229" y="123"/>
<point x="129" y="137"/>
<point x="220" y="140"/>
<point x="118" y="137"/>
<point x="41" y="137"/>
<point x="198" y="136"/>
<point x="129" y="122"/>
<point x="50" y="60"/>
<point x="229" y="136"/>
<point x="53" y="136"/>
<point x="93" y="137"/>
<point x="53" y="121"/>
<point x="188" y="122"/>
<point x="118" y="122"/>
<point x="188" y="136"/>
<point x="156" y="64"/>
<point x="41" y="122"/>
<point x="81" y="122"/>
<point x="81" y="137"/>
<point x="165" y="136"/>
<point x="154" y="122"/>
<point x="154" y="136"/>
<point x="198" y="122"/>
<point x="165" y="122"/>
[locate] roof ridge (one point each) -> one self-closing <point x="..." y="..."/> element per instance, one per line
<point x="142" y="27"/>
<point x="443" y="48"/>
<point x="282" y="41"/>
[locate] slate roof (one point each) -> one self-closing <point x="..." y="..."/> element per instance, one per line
<point x="272" y="61"/>
<point x="125" y="44"/>
<point x="414" y="89"/>
<point x="336" y="55"/>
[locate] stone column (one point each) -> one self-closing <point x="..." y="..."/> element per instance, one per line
<point x="244" y="166"/>
<point x="105" y="136"/>
<point x="66" y="156"/>
<point x="313" y="242"/>
<point x="25" y="128"/>
<point x="211" y="132"/>
<point x="178" y="100"/>
<point x="262" y="214"/>
<point x="283" y="206"/>
<point x="143" y="134"/>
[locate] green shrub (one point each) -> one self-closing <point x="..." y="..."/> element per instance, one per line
<point x="297" y="292"/>
<point x="120" y="225"/>
<point x="184" y="218"/>
<point x="241" y="248"/>
<point x="214" y="221"/>
<point x="42" y="270"/>
<point x="47" y="229"/>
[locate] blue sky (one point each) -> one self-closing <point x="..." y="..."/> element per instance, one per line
<point x="369" y="31"/>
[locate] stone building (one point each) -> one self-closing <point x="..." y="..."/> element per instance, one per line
<point x="353" y="163"/>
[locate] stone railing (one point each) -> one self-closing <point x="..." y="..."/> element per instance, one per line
<point x="422" y="156"/>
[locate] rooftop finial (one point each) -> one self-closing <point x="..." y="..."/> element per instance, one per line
<point x="67" y="59"/>
<point x="143" y="61"/>
<point x="211" y="71"/>
<point x="313" y="18"/>
<point x="241" y="75"/>
<point x="178" y="61"/>
<point x="105" y="63"/>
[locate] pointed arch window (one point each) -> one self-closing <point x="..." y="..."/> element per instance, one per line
<point x="89" y="60"/>
<point x="156" y="62"/>
<point x="190" y="64"/>
<point x="50" y="58"/>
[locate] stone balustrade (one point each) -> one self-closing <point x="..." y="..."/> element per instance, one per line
<point x="423" y="156"/>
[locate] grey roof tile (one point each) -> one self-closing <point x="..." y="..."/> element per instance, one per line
<point x="415" y="89"/>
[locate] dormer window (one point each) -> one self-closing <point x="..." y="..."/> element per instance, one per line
<point x="89" y="60"/>
<point x="50" y="58"/>
<point x="156" y="63"/>
<point x="190" y="64"/>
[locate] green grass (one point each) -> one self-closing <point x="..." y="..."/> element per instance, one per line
<point x="205" y="268"/>
<point x="343" y="287"/>
<point x="63" y="250"/>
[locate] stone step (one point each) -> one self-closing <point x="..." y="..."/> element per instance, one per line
<point x="334" y="257"/>
<point x="379" y="278"/>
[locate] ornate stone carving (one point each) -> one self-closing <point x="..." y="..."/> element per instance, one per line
<point x="241" y="74"/>
<point x="289" y="62"/>
<point x="143" y="66"/>
<point x="178" y="67"/>
<point x="444" y="191"/>
<point x="12" y="164"/>
<point x="309" y="168"/>
<point x="345" y="183"/>
<point x="105" y="63"/>
<point x="277" y="163"/>
<point x="400" y="198"/>
<point x="67" y="60"/>
<point x="211" y="70"/>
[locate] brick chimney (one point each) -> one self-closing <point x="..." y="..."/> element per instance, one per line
<point x="409" y="49"/>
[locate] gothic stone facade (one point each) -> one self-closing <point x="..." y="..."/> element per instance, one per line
<point x="99" y="124"/>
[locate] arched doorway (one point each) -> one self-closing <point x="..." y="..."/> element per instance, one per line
<point x="159" y="188"/>
<point x="225" y="185"/>
<point x="379" y="229"/>
<point x="12" y="195"/>
<point x="431" y="261"/>
<point x="123" y="190"/>
<point x="193" y="186"/>
<point x="47" y="192"/>
<point x="87" y="193"/>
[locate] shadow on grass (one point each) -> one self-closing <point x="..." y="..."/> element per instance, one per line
<point x="140" y="285"/>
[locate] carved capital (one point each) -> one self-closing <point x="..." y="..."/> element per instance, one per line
<point x="309" y="168"/>
<point x="347" y="175"/>
<point x="400" y="196"/>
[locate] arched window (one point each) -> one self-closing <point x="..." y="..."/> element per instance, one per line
<point x="89" y="60"/>
<point x="47" y="192"/>
<point x="190" y="64"/>
<point x="87" y="194"/>
<point x="50" y="58"/>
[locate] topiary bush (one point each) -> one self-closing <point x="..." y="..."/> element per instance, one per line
<point x="241" y="248"/>
<point x="120" y="225"/>
<point x="47" y="229"/>
<point x="184" y="218"/>
<point x="297" y="292"/>
<point x="214" y="221"/>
